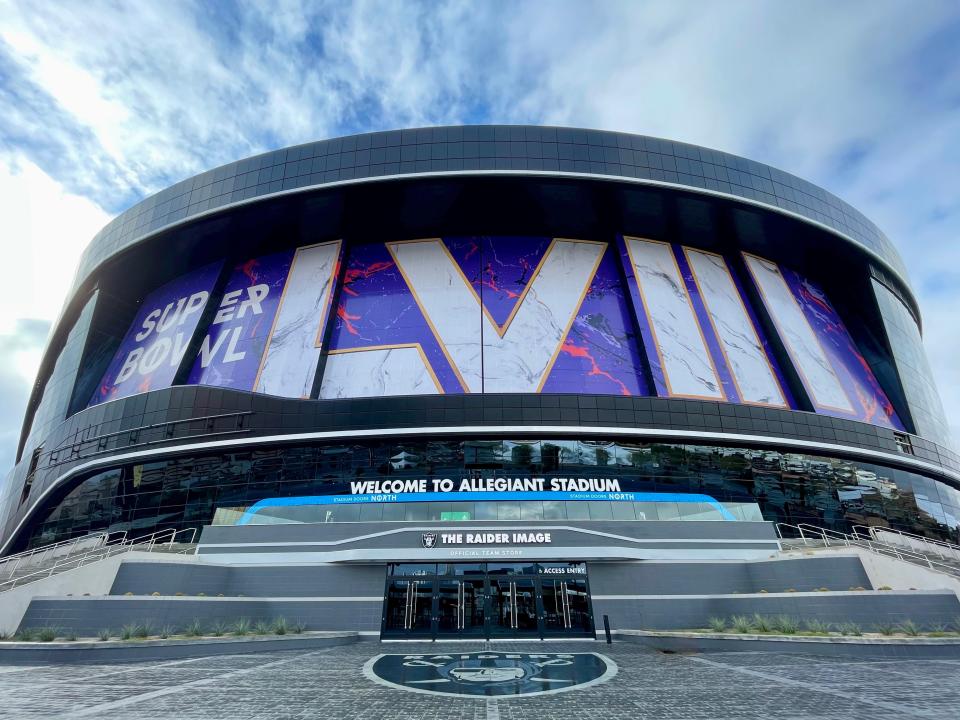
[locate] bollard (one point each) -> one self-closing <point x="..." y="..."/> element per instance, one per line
<point x="606" y="628"/>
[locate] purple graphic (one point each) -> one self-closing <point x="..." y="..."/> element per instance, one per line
<point x="231" y="352"/>
<point x="377" y="309"/>
<point x="151" y="351"/>
<point x="600" y="353"/>
<point x="498" y="269"/>
<point x="858" y="380"/>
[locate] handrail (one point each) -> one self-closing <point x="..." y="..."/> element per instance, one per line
<point x="12" y="563"/>
<point x="145" y="543"/>
<point x="872" y="532"/>
<point x="823" y="535"/>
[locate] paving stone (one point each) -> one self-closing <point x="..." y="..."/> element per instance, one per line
<point x="329" y="684"/>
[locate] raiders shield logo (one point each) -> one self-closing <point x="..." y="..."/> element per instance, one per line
<point x="428" y="540"/>
<point x="490" y="674"/>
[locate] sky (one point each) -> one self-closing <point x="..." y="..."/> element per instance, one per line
<point x="105" y="103"/>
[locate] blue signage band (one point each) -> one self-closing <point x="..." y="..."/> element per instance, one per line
<point x="483" y="496"/>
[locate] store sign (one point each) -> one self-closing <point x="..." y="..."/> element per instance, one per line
<point x="434" y="539"/>
<point x="490" y="674"/>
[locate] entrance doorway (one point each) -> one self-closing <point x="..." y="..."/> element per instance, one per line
<point x="487" y="600"/>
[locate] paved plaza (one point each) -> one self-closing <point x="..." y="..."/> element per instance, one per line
<point x="331" y="684"/>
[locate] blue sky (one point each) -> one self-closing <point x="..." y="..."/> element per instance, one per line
<point x="103" y="103"/>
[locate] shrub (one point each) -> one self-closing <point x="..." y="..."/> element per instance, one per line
<point x="218" y="629"/>
<point x="70" y="636"/>
<point x="884" y="587"/>
<point x="280" y="626"/>
<point x="858" y="588"/>
<point x="851" y="629"/>
<point x="194" y="628"/>
<point x="909" y="627"/>
<point x="790" y="590"/>
<point x="103" y="635"/>
<point x="261" y="627"/>
<point x="822" y="589"/>
<point x="762" y="590"/>
<point x="25" y="635"/>
<point x="761" y="623"/>
<point x="817" y="626"/>
<point x="741" y="623"/>
<point x="717" y="624"/>
<point x="155" y="594"/>
<point x="178" y="594"/>
<point x="886" y="628"/>
<point x="166" y="631"/>
<point x="4" y="636"/>
<point x="241" y="627"/>
<point x="298" y="627"/>
<point x="47" y="634"/>
<point x="956" y="624"/>
<point x="128" y="593"/>
<point x="142" y="631"/>
<point x="201" y="594"/>
<point x="937" y="630"/>
<point x="785" y="624"/>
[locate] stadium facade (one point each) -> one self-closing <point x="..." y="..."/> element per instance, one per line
<point x="480" y="366"/>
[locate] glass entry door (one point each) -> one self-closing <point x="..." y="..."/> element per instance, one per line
<point x="461" y="607"/>
<point x="409" y="608"/>
<point x="487" y="600"/>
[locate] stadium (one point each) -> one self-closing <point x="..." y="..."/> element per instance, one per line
<point x="483" y="379"/>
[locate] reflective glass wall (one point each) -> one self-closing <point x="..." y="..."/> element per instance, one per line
<point x="792" y="488"/>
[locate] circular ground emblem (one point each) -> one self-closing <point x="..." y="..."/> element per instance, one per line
<point x="490" y="674"/>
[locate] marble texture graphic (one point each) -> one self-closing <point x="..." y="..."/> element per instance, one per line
<point x="815" y="369"/>
<point x="520" y="359"/>
<point x="377" y="373"/>
<point x="680" y="349"/>
<point x="743" y="350"/>
<point x="290" y="360"/>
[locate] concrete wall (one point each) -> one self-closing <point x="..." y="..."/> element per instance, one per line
<point x="87" y="616"/>
<point x="893" y="573"/>
<point x="867" y="609"/>
<point x="250" y="581"/>
<point x="96" y="578"/>
<point x="701" y="578"/>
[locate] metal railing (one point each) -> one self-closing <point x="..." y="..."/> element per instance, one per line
<point x="811" y="535"/>
<point x="145" y="543"/>
<point x="12" y="563"/>
<point x="920" y="543"/>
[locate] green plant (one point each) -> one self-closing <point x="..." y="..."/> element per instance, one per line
<point x="25" y="635"/>
<point x="790" y="590"/>
<point x="194" y="628"/>
<point x="741" y="623"/>
<point x="128" y="593"/>
<point x="4" y="636"/>
<point x="761" y="623"/>
<point x="762" y="590"/>
<point x="47" y="634"/>
<point x="218" y="628"/>
<point x="851" y="629"/>
<point x="817" y="626"/>
<point x="823" y="589"/>
<point x="858" y="588"/>
<point x="884" y="587"/>
<point x="298" y="627"/>
<point x="70" y="637"/>
<point x="241" y="627"/>
<point x="103" y="635"/>
<point x="155" y="594"/>
<point x="142" y="631"/>
<point x="166" y="631"/>
<point x="909" y="627"/>
<point x="178" y="594"/>
<point x="126" y="632"/>
<point x="785" y="624"/>
<point x="201" y="594"/>
<point x="280" y="626"/>
<point x="717" y="624"/>
<point x="937" y="630"/>
<point x="261" y="627"/>
<point x="886" y="628"/>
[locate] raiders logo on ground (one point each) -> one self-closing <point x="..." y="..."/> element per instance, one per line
<point x="428" y="540"/>
<point x="490" y="674"/>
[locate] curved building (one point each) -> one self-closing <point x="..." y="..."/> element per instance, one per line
<point x="453" y="330"/>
